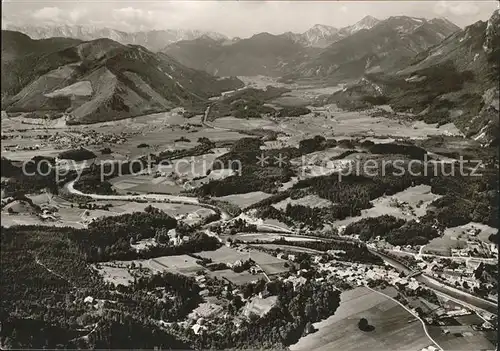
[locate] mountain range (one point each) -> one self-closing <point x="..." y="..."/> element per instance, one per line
<point x="261" y="54"/>
<point x="453" y="81"/>
<point x="98" y="80"/>
<point x="385" y="47"/>
<point x="321" y="35"/>
<point x="153" y="40"/>
<point x="431" y="68"/>
<point x="368" y="46"/>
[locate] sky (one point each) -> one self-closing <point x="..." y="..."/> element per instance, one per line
<point x="232" y="18"/>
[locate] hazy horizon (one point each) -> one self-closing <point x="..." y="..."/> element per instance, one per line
<point x="232" y="18"/>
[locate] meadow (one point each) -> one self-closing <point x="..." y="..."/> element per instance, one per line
<point x="408" y="204"/>
<point x="394" y="327"/>
<point x="456" y="238"/>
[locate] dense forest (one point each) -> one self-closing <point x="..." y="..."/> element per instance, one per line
<point x="465" y="198"/>
<point x="45" y="279"/>
<point x="246" y="103"/>
<point x="258" y="170"/>
<point x="282" y="326"/>
<point x="47" y="282"/>
<point x="394" y="230"/>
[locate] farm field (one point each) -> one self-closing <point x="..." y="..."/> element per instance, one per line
<point x="304" y="95"/>
<point x="115" y="273"/>
<point x="272" y="223"/>
<point x="79" y="218"/>
<point x="160" y="131"/>
<point x="244" y="124"/>
<point x="270" y="264"/>
<point x="318" y="157"/>
<point x="268" y="237"/>
<point x="456" y="238"/>
<point x="180" y="264"/>
<point x="184" y="169"/>
<point x="290" y="101"/>
<point x="31" y="219"/>
<point x="287" y="247"/>
<point x="195" y="166"/>
<point x="462" y="338"/>
<point x="29" y="154"/>
<point x="245" y="200"/>
<point x="236" y="278"/>
<point x="395" y="328"/>
<point x="333" y="121"/>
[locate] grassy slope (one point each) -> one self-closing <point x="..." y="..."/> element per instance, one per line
<point x="126" y="81"/>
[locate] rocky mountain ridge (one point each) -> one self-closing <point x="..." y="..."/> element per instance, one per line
<point x="153" y="40"/>
<point x="453" y="81"/>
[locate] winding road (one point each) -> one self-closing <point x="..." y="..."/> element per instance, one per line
<point x="412" y="313"/>
<point x="184" y="200"/>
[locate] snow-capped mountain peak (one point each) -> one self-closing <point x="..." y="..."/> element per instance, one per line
<point x="153" y="40"/>
<point x="366" y="22"/>
<point x="319" y="32"/>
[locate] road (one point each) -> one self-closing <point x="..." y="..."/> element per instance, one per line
<point x="209" y="125"/>
<point x="411" y="312"/>
<point x="185" y="200"/>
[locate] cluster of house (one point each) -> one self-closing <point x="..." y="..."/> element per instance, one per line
<point x="430" y="348"/>
<point x="289" y="257"/>
<point x="175" y="239"/>
<point x="49" y="213"/>
<point x="16" y="147"/>
<point x="358" y="274"/>
<point x="476" y="248"/>
<point x="462" y="276"/>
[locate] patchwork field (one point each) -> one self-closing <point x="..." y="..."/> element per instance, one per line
<point x="462" y="338"/>
<point x="394" y="327"/>
<point x="181" y="264"/>
<point x="333" y="121"/>
<point x="269" y="263"/>
<point x="244" y="124"/>
<point x="160" y="131"/>
<point x="268" y="237"/>
<point x="237" y="278"/>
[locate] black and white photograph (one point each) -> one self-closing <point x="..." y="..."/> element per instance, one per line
<point x="249" y="175"/>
